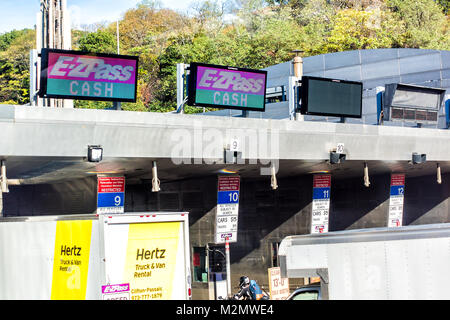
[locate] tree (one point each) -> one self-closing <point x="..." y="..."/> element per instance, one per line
<point x="241" y="33"/>
<point x="445" y="5"/>
<point x="358" y="29"/>
<point x="271" y="39"/>
<point x="425" y="25"/>
<point x="100" y="41"/>
<point x="145" y="26"/>
<point x="8" y="38"/>
<point x="14" y="66"/>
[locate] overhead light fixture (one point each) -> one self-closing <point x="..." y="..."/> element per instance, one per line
<point x="155" y="180"/>
<point x="337" y="157"/>
<point x="232" y="157"/>
<point x="419" y="158"/>
<point x="366" y="175"/>
<point x="95" y="153"/>
<point x="438" y="173"/>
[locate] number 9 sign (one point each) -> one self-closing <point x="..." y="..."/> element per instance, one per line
<point x="110" y="195"/>
<point x="117" y="201"/>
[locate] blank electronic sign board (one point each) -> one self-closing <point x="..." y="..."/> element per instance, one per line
<point x="331" y="97"/>
<point x="405" y="102"/>
<point x="226" y="87"/>
<point x="68" y="74"/>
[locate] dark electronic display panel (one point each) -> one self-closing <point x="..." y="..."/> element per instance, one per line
<point x="331" y="97"/>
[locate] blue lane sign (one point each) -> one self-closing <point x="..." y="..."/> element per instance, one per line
<point x="397" y="190"/>
<point x="110" y="199"/>
<point x="321" y="193"/>
<point x="227" y="197"/>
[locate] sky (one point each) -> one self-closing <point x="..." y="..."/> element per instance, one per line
<point x="20" y="14"/>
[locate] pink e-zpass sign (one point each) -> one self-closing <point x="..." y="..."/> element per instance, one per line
<point x="88" y="76"/>
<point x="227" y="87"/>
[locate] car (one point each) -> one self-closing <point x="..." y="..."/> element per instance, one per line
<point x="307" y="292"/>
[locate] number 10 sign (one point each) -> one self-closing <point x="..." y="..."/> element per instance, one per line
<point x="227" y="209"/>
<point x="110" y="195"/>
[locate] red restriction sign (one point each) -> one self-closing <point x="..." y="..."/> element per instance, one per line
<point x="398" y="179"/>
<point x="111" y="184"/>
<point x="229" y="183"/>
<point x="322" y="181"/>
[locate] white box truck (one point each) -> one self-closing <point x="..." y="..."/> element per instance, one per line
<point x="410" y="262"/>
<point x="134" y="256"/>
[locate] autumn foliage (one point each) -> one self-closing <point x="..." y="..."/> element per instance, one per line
<point x="246" y="33"/>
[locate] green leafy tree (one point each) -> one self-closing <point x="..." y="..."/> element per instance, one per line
<point x="271" y="39"/>
<point x="100" y="41"/>
<point x="259" y="33"/>
<point x="8" y="38"/>
<point x="358" y="29"/>
<point x="425" y="25"/>
<point x="445" y="5"/>
<point x="14" y="66"/>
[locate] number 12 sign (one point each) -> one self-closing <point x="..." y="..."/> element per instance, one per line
<point x="396" y="199"/>
<point x="110" y="195"/>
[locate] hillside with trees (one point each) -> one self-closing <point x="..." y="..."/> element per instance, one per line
<point x="241" y="33"/>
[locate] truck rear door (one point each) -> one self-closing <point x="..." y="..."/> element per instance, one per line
<point x="150" y="252"/>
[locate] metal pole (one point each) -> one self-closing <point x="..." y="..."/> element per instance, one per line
<point x="180" y="87"/>
<point x="33" y="76"/>
<point x="291" y="96"/>
<point x="116" y="104"/>
<point x="297" y="64"/>
<point x="117" y="36"/>
<point x="4" y="186"/>
<point x="1" y="204"/>
<point x="227" y="256"/>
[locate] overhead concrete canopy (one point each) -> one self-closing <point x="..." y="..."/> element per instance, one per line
<point x="46" y="145"/>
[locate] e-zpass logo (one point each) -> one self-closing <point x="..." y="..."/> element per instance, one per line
<point x="83" y="67"/>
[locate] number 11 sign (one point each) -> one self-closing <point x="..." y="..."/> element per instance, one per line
<point x="320" y="203"/>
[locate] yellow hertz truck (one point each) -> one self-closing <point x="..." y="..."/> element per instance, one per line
<point x="135" y="256"/>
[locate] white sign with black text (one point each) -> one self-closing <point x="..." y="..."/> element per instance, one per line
<point x="397" y="191"/>
<point x="320" y="203"/>
<point x="227" y="209"/>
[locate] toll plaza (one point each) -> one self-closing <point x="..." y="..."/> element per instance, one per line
<point x="293" y="173"/>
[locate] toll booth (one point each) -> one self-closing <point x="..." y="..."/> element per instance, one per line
<point x="217" y="273"/>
